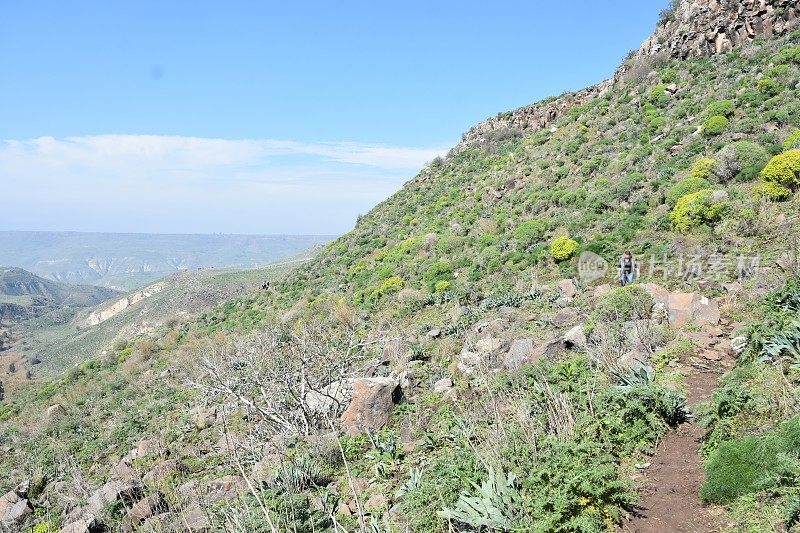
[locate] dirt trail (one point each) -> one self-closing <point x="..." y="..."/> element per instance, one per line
<point x="670" y="487"/>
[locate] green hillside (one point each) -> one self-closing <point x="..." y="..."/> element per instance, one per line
<point x="452" y="365"/>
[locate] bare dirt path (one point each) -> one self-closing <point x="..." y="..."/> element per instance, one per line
<point x="670" y="487"/>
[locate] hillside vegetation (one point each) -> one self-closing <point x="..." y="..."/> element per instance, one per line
<point x="450" y="365"/>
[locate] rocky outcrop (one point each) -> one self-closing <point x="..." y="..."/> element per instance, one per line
<point x="96" y="317"/>
<point x="371" y="406"/>
<point x="708" y="27"/>
<point x="696" y="28"/>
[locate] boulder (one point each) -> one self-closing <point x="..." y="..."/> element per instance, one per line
<point x="329" y="401"/>
<point x="567" y="288"/>
<point x="493" y="326"/>
<point x="376" y="502"/>
<point x="110" y="493"/>
<point x="518" y="354"/>
<point x="54" y="412"/>
<point x="203" y="417"/>
<point x="146" y="448"/>
<point x="84" y="525"/>
<point x="632" y="361"/>
<point x="659" y="294"/>
<point x="371" y="405"/>
<point x="225" y="488"/>
<point x="575" y="338"/>
<point x="123" y="471"/>
<point x="600" y="290"/>
<point x="435" y="333"/>
<point x="142" y="510"/>
<point x="684" y="308"/>
<point x="195" y="519"/>
<point x="14" y="511"/>
<point x="492" y="346"/>
<point x="443" y="385"/>
<point x="690" y="307"/>
<point x="163" y="470"/>
<point x="565" y="317"/>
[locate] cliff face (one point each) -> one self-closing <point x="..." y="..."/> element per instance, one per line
<point x="707" y="27"/>
<point x="695" y="28"/>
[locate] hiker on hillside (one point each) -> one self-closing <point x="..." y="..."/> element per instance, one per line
<point x="628" y="269"/>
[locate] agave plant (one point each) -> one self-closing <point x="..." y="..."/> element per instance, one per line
<point x="491" y="507"/>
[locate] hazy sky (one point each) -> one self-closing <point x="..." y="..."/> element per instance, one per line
<point x="267" y="117"/>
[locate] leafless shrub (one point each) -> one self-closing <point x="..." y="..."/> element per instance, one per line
<point x="290" y="378"/>
<point x="606" y="346"/>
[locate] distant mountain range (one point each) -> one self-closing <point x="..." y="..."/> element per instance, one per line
<point x="131" y="260"/>
<point x="25" y="294"/>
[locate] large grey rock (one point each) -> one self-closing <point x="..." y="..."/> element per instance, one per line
<point x="225" y="488"/>
<point x="371" y="405"/>
<point x="575" y="338"/>
<point x="519" y="353"/>
<point x="110" y="493"/>
<point x="142" y="510"/>
<point x="565" y="317"/>
<point x="14" y="511"/>
<point x="567" y="288"/>
<point x="329" y="401"/>
<point x="195" y="519"/>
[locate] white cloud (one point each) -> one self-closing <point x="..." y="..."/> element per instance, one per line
<point x="288" y="186"/>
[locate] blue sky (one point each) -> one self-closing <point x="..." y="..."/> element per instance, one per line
<point x="266" y="117"/>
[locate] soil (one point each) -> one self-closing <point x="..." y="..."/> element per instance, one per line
<point x="670" y="486"/>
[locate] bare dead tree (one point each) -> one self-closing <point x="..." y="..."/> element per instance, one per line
<point x="292" y="378"/>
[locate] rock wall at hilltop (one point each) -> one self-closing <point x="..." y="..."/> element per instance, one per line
<point x="708" y="27"/>
<point x="696" y="28"/>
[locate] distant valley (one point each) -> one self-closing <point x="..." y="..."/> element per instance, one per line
<point x="132" y="260"/>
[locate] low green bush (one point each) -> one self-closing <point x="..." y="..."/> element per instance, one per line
<point x="783" y="169"/>
<point x="696" y="209"/>
<point x="530" y="233"/>
<point x="792" y="141"/>
<point x="684" y="187"/>
<point x="627" y="303"/>
<point x="702" y="168"/>
<point x="774" y="192"/>
<point x="563" y="248"/>
<point x="724" y="108"/>
<point x="768" y="87"/>
<point x="753" y="463"/>
<point x="715" y="125"/>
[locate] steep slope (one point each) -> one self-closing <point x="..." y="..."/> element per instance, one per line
<point x="452" y="363"/>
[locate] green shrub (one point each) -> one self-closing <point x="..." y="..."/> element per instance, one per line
<point x="439" y="271"/>
<point x="715" y="125"/>
<point x="783" y="169"/>
<point x="790" y="54"/>
<point x="658" y="95"/>
<point x="724" y="108"/>
<point x="631" y="302"/>
<point x="563" y="248"/>
<point x="768" y="87"/>
<point x="684" y="187"/>
<point x="529" y="233"/>
<point x="753" y="463"/>
<point x="751" y="158"/>
<point x="774" y="192"/>
<point x="441" y="286"/>
<point x="389" y="285"/>
<point x="702" y="168"/>
<point x="792" y="141"/>
<point x="695" y="209"/>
